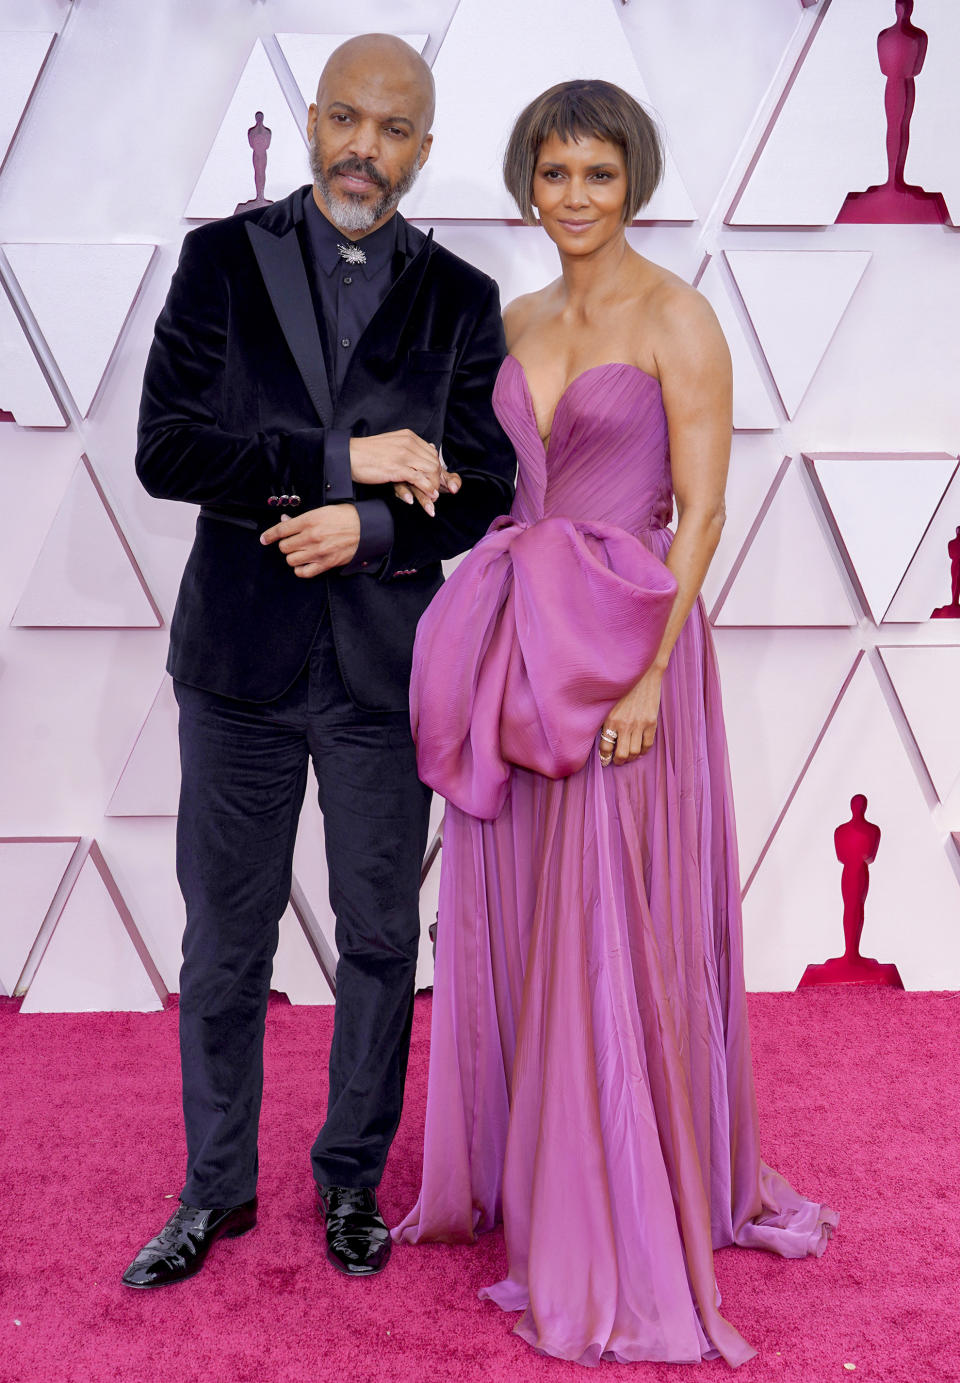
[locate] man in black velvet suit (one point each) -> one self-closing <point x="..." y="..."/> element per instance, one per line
<point x="311" y="359"/>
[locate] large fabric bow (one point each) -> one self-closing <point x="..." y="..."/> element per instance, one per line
<point x="524" y="650"/>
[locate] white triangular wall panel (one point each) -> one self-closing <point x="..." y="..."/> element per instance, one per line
<point x="149" y="784"/>
<point x="927" y="584"/>
<point x="796" y="299"/>
<point x="30" y="874"/>
<point x="227" y="178"/>
<point x="22" y="56"/>
<point x="85" y="576"/>
<point x="779" y="687"/>
<point x="793" y="911"/>
<point x="91" y="961"/>
<point x="81" y="297"/>
<point x="882" y="506"/>
<point x="829" y="136"/>
<point x="927" y="682"/>
<point x="307" y="55"/>
<point x="141" y="854"/>
<point x="753" y="407"/>
<point x="754" y="462"/>
<point x="296" y="971"/>
<point x="24" y="390"/>
<point x="310" y="867"/>
<point x="932" y="161"/>
<point x="790" y="574"/>
<point x="496" y="57"/>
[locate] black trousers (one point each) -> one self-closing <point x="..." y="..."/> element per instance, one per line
<point x="244" y="770"/>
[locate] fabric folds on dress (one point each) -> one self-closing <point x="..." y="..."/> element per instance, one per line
<point x="520" y="686"/>
<point x="590" y="1079"/>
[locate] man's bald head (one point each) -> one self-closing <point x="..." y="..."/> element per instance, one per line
<point x="388" y="62"/>
<point x="369" y="129"/>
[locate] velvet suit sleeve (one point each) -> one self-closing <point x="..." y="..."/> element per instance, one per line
<point x="183" y="449"/>
<point x="475" y="446"/>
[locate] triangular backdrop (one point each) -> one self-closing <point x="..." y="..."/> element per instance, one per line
<point x="797" y="675"/>
<point x="927" y="583"/>
<point x="496" y="57"/>
<point x="790" y="573"/>
<point x="227" y="177"/>
<point x="95" y="958"/>
<point x="30" y="874"/>
<point x="22" y="56"/>
<point x="828" y="136"/>
<point x="24" y="391"/>
<point x="753" y="408"/>
<point x="882" y="535"/>
<point x="80" y="296"/>
<point x="755" y="459"/>
<point x="85" y="575"/>
<point x="793" y="911"/>
<point x="927" y="682"/>
<point x="149" y="784"/>
<point x="796" y="299"/>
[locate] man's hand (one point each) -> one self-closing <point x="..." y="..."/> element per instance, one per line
<point x="317" y="540"/>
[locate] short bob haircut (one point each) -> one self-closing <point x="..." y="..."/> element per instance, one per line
<point x="573" y="110"/>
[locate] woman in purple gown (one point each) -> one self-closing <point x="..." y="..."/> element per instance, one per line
<point x="590" y="1079"/>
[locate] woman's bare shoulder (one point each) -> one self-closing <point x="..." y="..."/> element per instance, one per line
<point x="522" y="313"/>
<point x="676" y="307"/>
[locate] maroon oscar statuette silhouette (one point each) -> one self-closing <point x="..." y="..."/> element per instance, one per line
<point x="901" y="50"/>
<point x="856" y="842"/>
<point x="952" y="611"/>
<point x="258" y="137"/>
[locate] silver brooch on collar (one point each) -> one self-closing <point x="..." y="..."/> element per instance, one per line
<point x="352" y="254"/>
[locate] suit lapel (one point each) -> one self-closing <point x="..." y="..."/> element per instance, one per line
<point x="281" y="265"/>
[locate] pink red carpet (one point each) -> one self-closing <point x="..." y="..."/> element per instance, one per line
<point x="859" y="1094"/>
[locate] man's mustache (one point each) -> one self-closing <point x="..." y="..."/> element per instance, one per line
<point x="361" y="168"/>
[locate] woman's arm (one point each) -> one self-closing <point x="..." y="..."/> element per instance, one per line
<point x="696" y="380"/>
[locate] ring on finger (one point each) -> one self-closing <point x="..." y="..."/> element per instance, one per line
<point x="609" y="736"/>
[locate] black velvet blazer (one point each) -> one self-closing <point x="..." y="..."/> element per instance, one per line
<point x="236" y="407"/>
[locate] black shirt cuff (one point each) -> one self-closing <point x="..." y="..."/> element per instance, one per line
<point x="338" y="482"/>
<point x="376" y="538"/>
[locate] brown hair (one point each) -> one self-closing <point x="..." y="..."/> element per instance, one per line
<point x="575" y="109"/>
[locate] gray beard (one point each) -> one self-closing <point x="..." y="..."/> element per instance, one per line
<point x="352" y="214"/>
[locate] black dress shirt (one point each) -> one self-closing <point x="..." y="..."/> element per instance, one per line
<point x="349" y="295"/>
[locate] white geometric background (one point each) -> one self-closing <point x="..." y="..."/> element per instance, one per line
<point x="122" y="125"/>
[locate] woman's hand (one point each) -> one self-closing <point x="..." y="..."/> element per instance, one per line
<point x="449" y="484"/>
<point x="633" y="720"/>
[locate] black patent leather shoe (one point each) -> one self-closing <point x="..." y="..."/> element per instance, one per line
<point x="181" y="1247"/>
<point x="358" y="1241"/>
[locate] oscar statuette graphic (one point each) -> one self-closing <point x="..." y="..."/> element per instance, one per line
<point x="856" y="842"/>
<point x="258" y="137"/>
<point x="951" y="611"/>
<point x="901" y="50"/>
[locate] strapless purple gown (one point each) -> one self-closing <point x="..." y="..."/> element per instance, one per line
<point x="590" y="1078"/>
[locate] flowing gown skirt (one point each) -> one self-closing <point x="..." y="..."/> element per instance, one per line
<point x="590" y="1079"/>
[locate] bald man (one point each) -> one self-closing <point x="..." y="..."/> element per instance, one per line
<point x="312" y="360"/>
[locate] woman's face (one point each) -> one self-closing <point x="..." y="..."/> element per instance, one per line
<point x="579" y="189"/>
